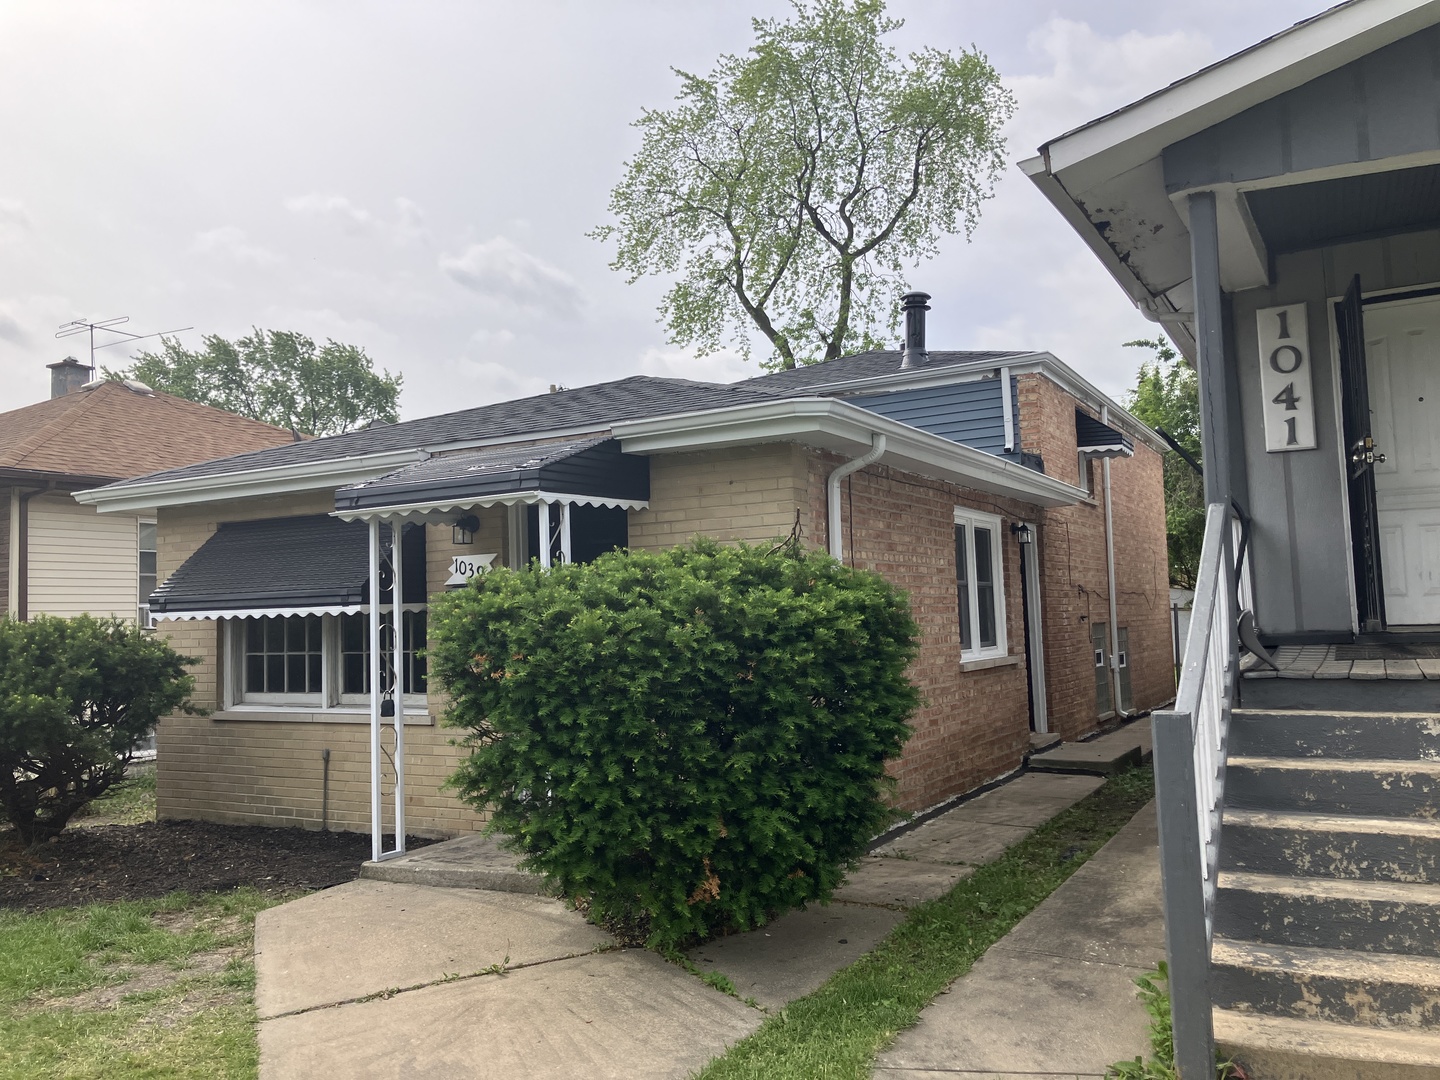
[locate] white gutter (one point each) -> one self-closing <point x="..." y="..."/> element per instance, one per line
<point x="832" y="424"/>
<point x="1007" y="410"/>
<point x="1110" y="580"/>
<point x="273" y="480"/>
<point x="832" y="493"/>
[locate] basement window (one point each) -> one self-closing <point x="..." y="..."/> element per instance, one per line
<point x="979" y="585"/>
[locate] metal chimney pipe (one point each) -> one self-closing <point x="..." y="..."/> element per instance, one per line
<point x="914" y="305"/>
<point x="67" y="376"/>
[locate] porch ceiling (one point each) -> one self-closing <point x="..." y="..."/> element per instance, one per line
<point x="1325" y="212"/>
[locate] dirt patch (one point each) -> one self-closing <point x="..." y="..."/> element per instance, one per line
<point x="145" y="861"/>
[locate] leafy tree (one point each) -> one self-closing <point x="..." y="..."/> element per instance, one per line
<point x="275" y="376"/>
<point x="1167" y="397"/>
<point x="789" y="188"/>
<point x="76" y="695"/>
<point x="688" y="740"/>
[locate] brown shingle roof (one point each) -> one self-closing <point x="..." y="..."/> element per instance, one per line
<point x="112" y="432"/>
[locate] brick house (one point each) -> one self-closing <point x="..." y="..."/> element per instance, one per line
<point x="60" y="558"/>
<point x="975" y="481"/>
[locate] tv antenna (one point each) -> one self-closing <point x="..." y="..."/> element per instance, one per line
<point x="86" y="326"/>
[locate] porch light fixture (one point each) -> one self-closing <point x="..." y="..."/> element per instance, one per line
<point x="1024" y="533"/>
<point x="462" y="533"/>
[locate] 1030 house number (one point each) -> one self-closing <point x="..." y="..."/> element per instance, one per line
<point x="1284" y="338"/>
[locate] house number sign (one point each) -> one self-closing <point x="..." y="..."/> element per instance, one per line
<point x="464" y="567"/>
<point x="1285" y="378"/>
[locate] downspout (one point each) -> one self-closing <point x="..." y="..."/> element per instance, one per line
<point x="832" y="492"/>
<point x="20" y="548"/>
<point x="1110" y="578"/>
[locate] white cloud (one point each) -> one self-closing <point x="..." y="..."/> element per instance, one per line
<point x="720" y="367"/>
<point x="10" y="328"/>
<point x="14" y="219"/>
<point x="231" y="242"/>
<point x="501" y="270"/>
<point x="491" y="381"/>
<point x="492" y="339"/>
<point x="352" y="218"/>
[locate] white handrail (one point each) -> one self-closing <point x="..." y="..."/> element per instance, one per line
<point x="1190" y="752"/>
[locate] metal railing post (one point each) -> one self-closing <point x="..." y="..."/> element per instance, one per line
<point x="1187" y="944"/>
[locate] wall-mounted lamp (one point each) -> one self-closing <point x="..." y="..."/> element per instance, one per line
<point x="462" y="533"/>
<point x="1024" y="533"/>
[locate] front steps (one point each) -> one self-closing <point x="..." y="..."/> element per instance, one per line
<point x="1326" y="957"/>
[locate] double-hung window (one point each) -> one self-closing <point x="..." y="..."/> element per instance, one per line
<point x="979" y="585"/>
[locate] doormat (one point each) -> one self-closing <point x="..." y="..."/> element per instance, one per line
<point x="1387" y="652"/>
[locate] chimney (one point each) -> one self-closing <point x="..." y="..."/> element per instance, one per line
<point x="914" y="306"/>
<point x="67" y="376"/>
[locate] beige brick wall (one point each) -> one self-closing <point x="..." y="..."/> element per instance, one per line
<point x="745" y="493"/>
<point x="271" y="772"/>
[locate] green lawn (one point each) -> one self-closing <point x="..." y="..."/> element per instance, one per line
<point x="837" y="1031"/>
<point x="152" y="989"/>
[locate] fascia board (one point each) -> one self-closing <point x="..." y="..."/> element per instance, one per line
<point x="836" y="425"/>
<point x="919" y="378"/>
<point x="1287" y="60"/>
<point x="275" y="480"/>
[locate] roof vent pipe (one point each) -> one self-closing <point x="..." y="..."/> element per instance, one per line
<point x="914" y="305"/>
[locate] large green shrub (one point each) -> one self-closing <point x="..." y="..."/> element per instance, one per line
<point x="695" y="737"/>
<point x="76" y="695"/>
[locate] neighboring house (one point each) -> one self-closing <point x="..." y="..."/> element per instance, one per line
<point x="60" y="558"/>
<point x="1279" y="214"/>
<point x="267" y="574"/>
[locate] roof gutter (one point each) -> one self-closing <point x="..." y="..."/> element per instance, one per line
<point x="831" y="424"/>
<point x="274" y="480"/>
<point x="833" y="531"/>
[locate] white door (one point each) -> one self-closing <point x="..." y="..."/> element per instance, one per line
<point x="1402" y="354"/>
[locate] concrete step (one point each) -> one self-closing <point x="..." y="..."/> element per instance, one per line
<point x="1365" y="788"/>
<point x="467" y="862"/>
<point x="1278" y="1048"/>
<point x="1364" y="916"/>
<point x="1388" y="736"/>
<point x="1334" y="985"/>
<point x="1112" y="753"/>
<point x="1331" y="846"/>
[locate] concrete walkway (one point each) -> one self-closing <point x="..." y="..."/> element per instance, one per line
<point x="1055" y="997"/>
<point x="385" y="978"/>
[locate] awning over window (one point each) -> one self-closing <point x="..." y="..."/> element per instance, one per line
<point x="588" y="471"/>
<point x="285" y="566"/>
<point x="1100" y="440"/>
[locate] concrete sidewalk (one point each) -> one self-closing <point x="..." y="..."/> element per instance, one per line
<point x="388" y="978"/>
<point x="1055" y="997"/>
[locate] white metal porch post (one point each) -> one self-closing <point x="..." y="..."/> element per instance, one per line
<point x="545" y="534"/>
<point x="397" y="617"/>
<point x="565" y="533"/>
<point x="375" y="823"/>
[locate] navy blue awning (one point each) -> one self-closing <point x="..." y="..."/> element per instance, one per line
<point x="313" y="564"/>
<point x="1100" y="440"/>
<point x="586" y="471"/>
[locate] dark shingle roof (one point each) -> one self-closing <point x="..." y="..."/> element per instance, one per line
<point x="586" y="407"/>
<point x="866" y="365"/>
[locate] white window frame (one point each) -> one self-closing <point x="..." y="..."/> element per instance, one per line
<point x="329" y="700"/>
<point x="146" y="620"/>
<point x="970" y="519"/>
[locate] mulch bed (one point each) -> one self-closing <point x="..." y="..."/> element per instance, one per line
<point x="138" y="862"/>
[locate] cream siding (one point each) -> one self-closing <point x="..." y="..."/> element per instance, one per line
<point x="81" y="561"/>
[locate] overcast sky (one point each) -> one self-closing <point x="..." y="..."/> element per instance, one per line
<point x="418" y="178"/>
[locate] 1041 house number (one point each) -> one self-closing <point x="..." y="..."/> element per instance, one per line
<point x="1284" y="339"/>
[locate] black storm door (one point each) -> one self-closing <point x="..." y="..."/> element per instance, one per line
<point x="1360" y="460"/>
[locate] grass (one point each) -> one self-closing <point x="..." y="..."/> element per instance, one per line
<point x="1155" y="996"/>
<point x="836" y="1031"/>
<point x="129" y="802"/>
<point x="125" y="991"/>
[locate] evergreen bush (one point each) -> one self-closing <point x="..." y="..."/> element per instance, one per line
<point x="695" y="738"/>
<point x="76" y="696"/>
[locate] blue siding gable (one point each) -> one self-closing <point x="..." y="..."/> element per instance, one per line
<point x="966" y="412"/>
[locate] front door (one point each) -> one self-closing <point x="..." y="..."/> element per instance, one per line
<point x="1402" y="351"/>
<point x="1359" y="460"/>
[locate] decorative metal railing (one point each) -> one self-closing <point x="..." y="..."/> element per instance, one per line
<point x="1190" y="751"/>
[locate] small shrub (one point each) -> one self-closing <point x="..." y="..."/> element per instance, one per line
<point x="696" y="737"/>
<point x="76" y="695"/>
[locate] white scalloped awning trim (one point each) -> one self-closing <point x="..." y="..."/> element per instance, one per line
<point x="259" y="613"/>
<point x="509" y="499"/>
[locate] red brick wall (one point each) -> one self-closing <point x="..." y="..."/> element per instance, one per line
<point x="1072" y="554"/>
<point x="973" y="726"/>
